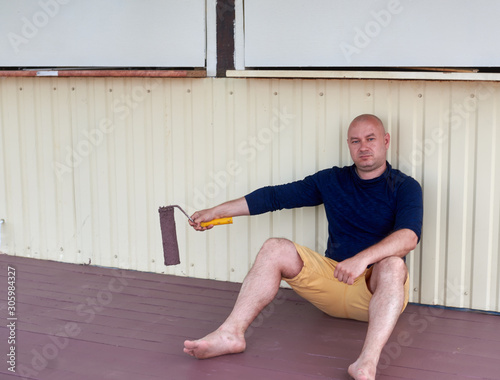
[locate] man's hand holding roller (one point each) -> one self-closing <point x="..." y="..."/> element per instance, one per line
<point x="237" y="207"/>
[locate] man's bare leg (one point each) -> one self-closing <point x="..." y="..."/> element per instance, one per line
<point x="277" y="258"/>
<point x="387" y="284"/>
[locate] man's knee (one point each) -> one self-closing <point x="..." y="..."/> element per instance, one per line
<point x="277" y="249"/>
<point x="277" y="244"/>
<point x="391" y="267"/>
<point x="283" y="253"/>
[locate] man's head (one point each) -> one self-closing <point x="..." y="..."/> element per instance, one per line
<point x="368" y="143"/>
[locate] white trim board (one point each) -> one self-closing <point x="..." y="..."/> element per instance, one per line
<point x="398" y="75"/>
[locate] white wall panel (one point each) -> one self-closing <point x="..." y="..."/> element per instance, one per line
<point x="375" y="33"/>
<point x="86" y="163"/>
<point x="116" y="33"/>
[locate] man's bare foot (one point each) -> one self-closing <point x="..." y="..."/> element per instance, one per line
<point x="215" y="344"/>
<point x="362" y="371"/>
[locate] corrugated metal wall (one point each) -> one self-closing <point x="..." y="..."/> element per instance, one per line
<point x="86" y="163"/>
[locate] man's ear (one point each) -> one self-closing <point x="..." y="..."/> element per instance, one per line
<point x="387" y="140"/>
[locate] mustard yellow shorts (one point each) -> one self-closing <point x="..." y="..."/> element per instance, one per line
<point x="317" y="284"/>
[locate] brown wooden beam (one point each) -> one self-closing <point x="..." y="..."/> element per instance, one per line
<point x="106" y="73"/>
<point x="225" y="36"/>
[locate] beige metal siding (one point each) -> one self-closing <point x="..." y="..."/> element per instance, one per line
<point x="85" y="163"/>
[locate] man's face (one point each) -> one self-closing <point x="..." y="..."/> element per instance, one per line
<point x="368" y="144"/>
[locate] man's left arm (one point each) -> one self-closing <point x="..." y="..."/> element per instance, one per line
<point x="399" y="244"/>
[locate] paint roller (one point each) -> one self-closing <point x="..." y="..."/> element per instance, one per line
<point x="169" y="235"/>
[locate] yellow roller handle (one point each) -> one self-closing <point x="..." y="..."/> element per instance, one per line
<point x="217" y="222"/>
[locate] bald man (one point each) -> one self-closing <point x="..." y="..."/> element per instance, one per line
<point x="374" y="215"/>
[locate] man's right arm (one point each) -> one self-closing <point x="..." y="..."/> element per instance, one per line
<point x="269" y="198"/>
<point x="236" y="207"/>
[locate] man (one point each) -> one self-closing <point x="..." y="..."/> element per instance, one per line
<point x="374" y="215"/>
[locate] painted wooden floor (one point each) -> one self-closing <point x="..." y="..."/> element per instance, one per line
<point x="80" y="322"/>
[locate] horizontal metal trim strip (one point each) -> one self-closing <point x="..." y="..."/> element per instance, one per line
<point x="399" y="75"/>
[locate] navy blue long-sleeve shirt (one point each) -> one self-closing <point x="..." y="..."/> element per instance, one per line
<point x="360" y="212"/>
